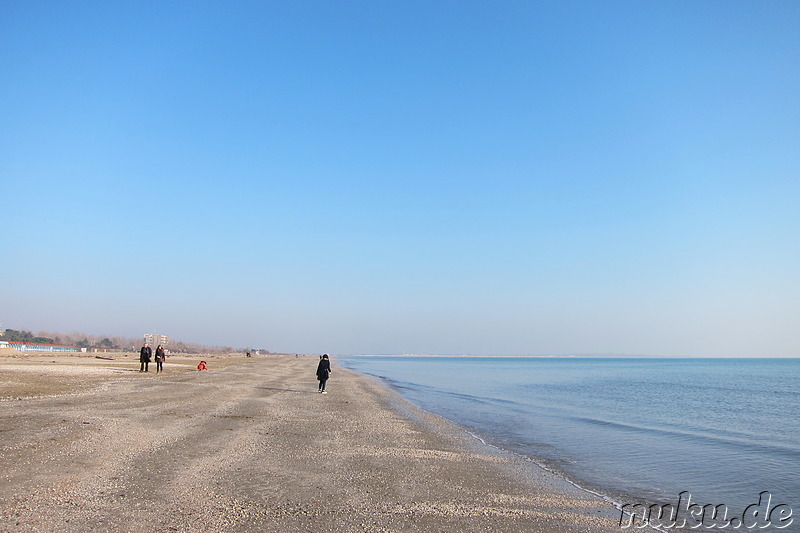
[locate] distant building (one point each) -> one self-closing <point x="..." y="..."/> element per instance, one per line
<point x="154" y="339"/>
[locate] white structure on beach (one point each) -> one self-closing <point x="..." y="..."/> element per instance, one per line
<point x="24" y="346"/>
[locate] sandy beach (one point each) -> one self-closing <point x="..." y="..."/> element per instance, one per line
<point x="90" y="444"/>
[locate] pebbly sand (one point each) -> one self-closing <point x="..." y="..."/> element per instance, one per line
<point x="250" y="446"/>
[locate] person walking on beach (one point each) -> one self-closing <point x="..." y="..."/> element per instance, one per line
<point x="145" y="354"/>
<point x="160" y="357"/>
<point x="323" y="372"/>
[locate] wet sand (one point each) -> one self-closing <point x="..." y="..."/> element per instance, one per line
<point x="250" y="446"/>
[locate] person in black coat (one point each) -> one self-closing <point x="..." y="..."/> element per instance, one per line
<point x="160" y="358"/>
<point x="323" y="372"/>
<point x="145" y="354"/>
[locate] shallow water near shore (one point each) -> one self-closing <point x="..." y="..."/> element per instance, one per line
<point x="632" y="429"/>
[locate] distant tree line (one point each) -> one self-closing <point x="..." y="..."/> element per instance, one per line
<point x="12" y="335"/>
<point x="80" y="340"/>
<point x="84" y="340"/>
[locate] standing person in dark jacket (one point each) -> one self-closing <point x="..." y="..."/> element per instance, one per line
<point x="145" y="354"/>
<point x="323" y="372"/>
<point x="160" y="357"/>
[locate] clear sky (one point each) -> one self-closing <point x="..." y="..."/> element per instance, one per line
<point x="495" y="177"/>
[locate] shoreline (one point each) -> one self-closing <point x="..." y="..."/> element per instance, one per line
<point x="485" y="442"/>
<point x="546" y="413"/>
<point x="489" y="448"/>
<point x="251" y="447"/>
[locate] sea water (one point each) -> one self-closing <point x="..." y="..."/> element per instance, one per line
<point x="632" y="429"/>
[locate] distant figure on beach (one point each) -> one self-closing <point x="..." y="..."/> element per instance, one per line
<point x="160" y="357"/>
<point x="145" y="354"/>
<point x="323" y="372"/>
<point x="202" y="366"/>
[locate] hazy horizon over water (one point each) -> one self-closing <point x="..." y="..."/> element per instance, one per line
<point x="569" y="356"/>
<point x="634" y="429"/>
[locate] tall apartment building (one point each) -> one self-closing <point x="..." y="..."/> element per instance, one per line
<point x="154" y="339"/>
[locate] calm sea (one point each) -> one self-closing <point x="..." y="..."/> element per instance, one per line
<point x="632" y="429"/>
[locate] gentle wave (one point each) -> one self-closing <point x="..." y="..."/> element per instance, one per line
<point x="715" y="440"/>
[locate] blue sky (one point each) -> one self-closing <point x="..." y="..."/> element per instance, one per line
<point x="405" y="177"/>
